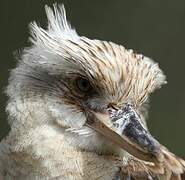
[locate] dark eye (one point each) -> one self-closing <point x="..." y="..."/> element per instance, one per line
<point x="83" y="84"/>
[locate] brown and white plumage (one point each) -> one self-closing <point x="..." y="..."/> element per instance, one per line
<point x="76" y="110"/>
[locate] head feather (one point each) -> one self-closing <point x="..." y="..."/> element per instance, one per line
<point x="121" y="73"/>
<point x="117" y="73"/>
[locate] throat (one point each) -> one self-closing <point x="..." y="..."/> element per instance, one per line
<point x="48" y="153"/>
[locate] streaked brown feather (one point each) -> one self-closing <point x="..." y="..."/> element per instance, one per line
<point x="172" y="168"/>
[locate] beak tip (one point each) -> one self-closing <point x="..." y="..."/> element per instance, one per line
<point x="155" y="151"/>
<point x="159" y="155"/>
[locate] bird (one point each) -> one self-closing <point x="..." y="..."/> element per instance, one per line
<point x="77" y="109"/>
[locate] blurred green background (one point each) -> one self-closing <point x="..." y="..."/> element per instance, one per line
<point x="153" y="27"/>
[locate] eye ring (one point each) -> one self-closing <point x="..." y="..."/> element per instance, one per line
<point x="83" y="84"/>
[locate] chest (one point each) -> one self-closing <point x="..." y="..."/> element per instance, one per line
<point x="55" y="163"/>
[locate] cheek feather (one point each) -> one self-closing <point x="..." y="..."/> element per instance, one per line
<point x="67" y="115"/>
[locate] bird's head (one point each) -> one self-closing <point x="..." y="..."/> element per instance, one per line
<point x="90" y="87"/>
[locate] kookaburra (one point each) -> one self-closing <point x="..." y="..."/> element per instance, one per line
<point x="77" y="110"/>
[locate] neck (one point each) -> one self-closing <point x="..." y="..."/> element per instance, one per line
<point x="46" y="155"/>
<point x="43" y="149"/>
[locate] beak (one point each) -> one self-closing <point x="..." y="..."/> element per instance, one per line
<point x="124" y="128"/>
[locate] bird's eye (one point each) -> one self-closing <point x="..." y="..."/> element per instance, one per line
<point x="83" y="84"/>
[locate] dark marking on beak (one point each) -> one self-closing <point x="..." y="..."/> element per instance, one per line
<point x="124" y="128"/>
<point x="127" y="123"/>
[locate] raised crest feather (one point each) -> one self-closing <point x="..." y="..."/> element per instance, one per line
<point x="58" y="26"/>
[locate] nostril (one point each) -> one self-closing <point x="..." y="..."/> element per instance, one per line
<point x="113" y="106"/>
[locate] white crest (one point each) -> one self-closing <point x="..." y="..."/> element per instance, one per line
<point x="58" y="26"/>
